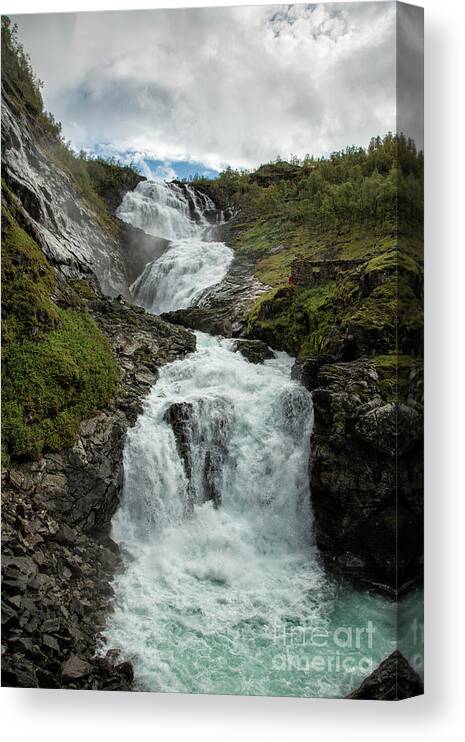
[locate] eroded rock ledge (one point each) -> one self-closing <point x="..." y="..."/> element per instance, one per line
<point x="58" y="558"/>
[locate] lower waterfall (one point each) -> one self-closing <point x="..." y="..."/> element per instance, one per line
<point x="224" y="592"/>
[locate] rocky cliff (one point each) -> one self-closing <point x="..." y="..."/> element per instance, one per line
<point x="54" y="212"/>
<point x="366" y="471"/>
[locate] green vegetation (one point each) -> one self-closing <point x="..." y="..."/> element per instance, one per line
<point x="49" y="386"/>
<point x="18" y="75"/>
<point x="27" y="283"/>
<point x="99" y="182"/>
<point x="57" y="367"/>
<point x="394" y="375"/>
<point x="357" y="204"/>
<point x="293" y="320"/>
<point x="353" y="187"/>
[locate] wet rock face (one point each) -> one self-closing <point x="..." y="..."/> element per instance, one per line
<point x="202" y="432"/>
<point x="200" y="318"/>
<point x="58" y="560"/>
<point x="179" y="416"/>
<point x="393" y="680"/>
<point x="138" y="248"/>
<point x="306" y="370"/>
<point x="254" y="351"/>
<point x="366" y="477"/>
<point x="64" y="227"/>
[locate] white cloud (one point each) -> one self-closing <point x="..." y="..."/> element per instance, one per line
<point x="219" y="85"/>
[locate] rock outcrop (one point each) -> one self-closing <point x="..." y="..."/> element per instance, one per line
<point x="254" y="351"/>
<point x="366" y="475"/>
<point x="201" y="432"/>
<point x="179" y="416"/>
<point x="138" y="248"/>
<point x="393" y="680"/>
<point x="58" y="559"/>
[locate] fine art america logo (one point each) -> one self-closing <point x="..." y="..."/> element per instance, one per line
<point x="309" y="648"/>
<point x="345" y="649"/>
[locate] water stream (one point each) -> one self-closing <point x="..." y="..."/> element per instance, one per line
<point x="223" y="591"/>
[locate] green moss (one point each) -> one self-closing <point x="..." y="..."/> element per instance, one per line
<point x="293" y="319"/>
<point x="51" y="385"/>
<point x="392" y="260"/>
<point x="83" y="288"/>
<point x="27" y="282"/>
<point x="375" y="306"/>
<point x="394" y="375"/>
<point x="57" y="367"/>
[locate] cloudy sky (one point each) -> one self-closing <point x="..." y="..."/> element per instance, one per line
<point x="194" y="90"/>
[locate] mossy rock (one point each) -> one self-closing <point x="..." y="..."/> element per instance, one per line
<point x="27" y="282"/>
<point x="50" y="385"/>
<point x="293" y="319"/>
<point x="394" y="375"/>
<point x="57" y="367"/>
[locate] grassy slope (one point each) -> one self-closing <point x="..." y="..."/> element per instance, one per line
<point x="357" y="204"/>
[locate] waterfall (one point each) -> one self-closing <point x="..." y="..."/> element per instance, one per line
<point x="222" y="580"/>
<point x="218" y="429"/>
<point x="216" y="516"/>
<point x="192" y="262"/>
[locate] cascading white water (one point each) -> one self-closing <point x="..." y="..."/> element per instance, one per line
<point x="223" y="591"/>
<point x="192" y="263"/>
<point x="164" y="210"/>
<point x="224" y="570"/>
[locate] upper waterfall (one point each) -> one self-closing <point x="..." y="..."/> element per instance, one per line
<point x="193" y="262"/>
<point x="167" y="210"/>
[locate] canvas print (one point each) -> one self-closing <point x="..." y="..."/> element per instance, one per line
<point x="212" y="329"/>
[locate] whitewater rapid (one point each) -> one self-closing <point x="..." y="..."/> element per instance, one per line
<point x="193" y="262"/>
<point x="223" y="590"/>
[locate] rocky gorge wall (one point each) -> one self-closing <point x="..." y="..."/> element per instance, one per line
<point x="75" y="240"/>
<point x="366" y="473"/>
<point x="63" y="224"/>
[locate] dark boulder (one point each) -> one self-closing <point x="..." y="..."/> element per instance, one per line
<point x="393" y="680"/>
<point x="74" y="668"/>
<point x="200" y="318"/>
<point x="306" y="370"/>
<point x="254" y="351"/>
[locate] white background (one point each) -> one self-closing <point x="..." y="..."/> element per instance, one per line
<point x="53" y="715"/>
